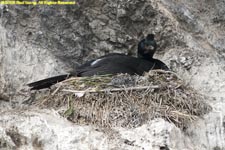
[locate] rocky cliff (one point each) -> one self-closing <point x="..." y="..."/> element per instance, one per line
<point x="40" y="41"/>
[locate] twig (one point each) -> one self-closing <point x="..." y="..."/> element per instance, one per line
<point x="164" y="71"/>
<point x="87" y="78"/>
<point x="53" y="93"/>
<point x="112" y="90"/>
<point x="184" y="115"/>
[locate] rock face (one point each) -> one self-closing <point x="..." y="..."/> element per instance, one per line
<point x="41" y="44"/>
<point x="40" y="41"/>
<point x="46" y="130"/>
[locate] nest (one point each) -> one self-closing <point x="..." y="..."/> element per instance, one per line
<point x="125" y="101"/>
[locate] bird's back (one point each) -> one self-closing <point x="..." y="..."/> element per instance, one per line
<point x="114" y="64"/>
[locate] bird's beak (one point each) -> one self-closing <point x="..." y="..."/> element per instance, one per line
<point x="148" y="49"/>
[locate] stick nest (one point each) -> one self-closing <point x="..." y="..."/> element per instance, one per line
<point x="124" y="100"/>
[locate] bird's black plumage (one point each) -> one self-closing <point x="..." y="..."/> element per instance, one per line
<point x="113" y="64"/>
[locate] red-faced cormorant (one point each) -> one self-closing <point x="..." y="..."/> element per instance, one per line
<point x="113" y="64"/>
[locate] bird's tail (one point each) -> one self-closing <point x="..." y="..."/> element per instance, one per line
<point x="46" y="83"/>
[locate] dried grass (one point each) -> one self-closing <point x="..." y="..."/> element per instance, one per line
<point x="127" y="101"/>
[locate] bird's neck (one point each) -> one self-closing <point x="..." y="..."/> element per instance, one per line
<point x="146" y="57"/>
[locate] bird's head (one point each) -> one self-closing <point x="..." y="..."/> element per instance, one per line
<point x="147" y="47"/>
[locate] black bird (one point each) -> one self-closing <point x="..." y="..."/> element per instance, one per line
<point x="146" y="50"/>
<point x="113" y="64"/>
